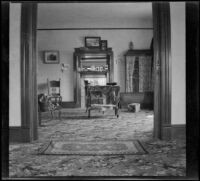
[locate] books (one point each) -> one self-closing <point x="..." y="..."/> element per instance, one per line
<point x="94" y="68"/>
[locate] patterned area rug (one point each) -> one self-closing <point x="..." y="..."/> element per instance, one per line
<point x="92" y="148"/>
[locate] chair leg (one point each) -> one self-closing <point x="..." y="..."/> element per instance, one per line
<point x="51" y="114"/>
<point x="116" y="112"/>
<point x="59" y="112"/>
<point x="89" y="113"/>
<point x="39" y="118"/>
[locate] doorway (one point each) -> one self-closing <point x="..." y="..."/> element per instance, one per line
<point x="61" y="36"/>
<point x="162" y="98"/>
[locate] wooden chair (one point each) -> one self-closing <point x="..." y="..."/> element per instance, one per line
<point x="45" y="105"/>
<point x="54" y="91"/>
<point x="54" y="96"/>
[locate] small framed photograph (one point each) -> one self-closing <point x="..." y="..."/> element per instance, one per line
<point x="104" y="44"/>
<point x="51" y="57"/>
<point x="92" y="42"/>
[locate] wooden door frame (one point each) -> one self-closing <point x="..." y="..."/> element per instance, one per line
<point x="29" y="103"/>
<point x="28" y="131"/>
<point x="162" y="72"/>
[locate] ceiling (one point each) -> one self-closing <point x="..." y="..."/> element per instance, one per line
<point x="94" y="15"/>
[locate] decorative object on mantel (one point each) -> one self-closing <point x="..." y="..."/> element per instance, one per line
<point x="104" y="44"/>
<point x="94" y="68"/>
<point x="92" y="42"/>
<point x="51" y="57"/>
<point x="131" y="46"/>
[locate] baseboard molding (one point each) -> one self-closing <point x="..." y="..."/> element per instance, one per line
<point x="19" y="134"/>
<point x="178" y="131"/>
<point x="166" y="132"/>
<point x="145" y="99"/>
<point x="174" y="132"/>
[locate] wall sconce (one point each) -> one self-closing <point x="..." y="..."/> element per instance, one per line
<point x="64" y="66"/>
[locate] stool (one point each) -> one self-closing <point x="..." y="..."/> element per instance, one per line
<point x="134" y="107"/>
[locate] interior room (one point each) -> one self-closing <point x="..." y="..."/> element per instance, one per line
<point x="99" y="105"/>
<point x="128" y="36"/>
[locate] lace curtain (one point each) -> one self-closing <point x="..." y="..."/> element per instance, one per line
<point x="139" y="74"/>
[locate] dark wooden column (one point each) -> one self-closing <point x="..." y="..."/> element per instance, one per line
<point x="111" y="68"/>
<point x="77" y="91"/>
<point x="192" y="88"/>
<point x="28" y="72"/>
<point x="162" y="73"/>
<point x="5" y="89"/>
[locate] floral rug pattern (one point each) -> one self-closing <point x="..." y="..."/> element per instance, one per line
<point x="164" y="158"/>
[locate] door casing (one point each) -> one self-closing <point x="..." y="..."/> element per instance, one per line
<point x="162" y="70"/>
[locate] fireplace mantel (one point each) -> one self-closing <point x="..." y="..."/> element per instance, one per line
<point x="93" y="72"/>
<point x="83" y="51"/>
<point x="102" y="64"/>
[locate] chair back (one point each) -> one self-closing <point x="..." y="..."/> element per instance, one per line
<point x="53" y="87"/>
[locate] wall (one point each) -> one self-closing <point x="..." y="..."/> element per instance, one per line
<point x="178" y="62"/>
<point x="95" y="15"/>
<point x="14" y="65"/>
<point x="66" y="40"/>
<point x="69" y="17"/>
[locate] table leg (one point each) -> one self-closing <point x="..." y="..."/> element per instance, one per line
<point x="89" y="113"/>
<point x="59" y="113"/>
<point x="116" y="112"/>
<point x="51" y="114"/>
<point x="39" y="118"/>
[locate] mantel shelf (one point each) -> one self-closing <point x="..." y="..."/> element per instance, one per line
<point x="83" y="50"/>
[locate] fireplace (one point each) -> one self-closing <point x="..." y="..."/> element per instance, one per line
<point x="93" y="65"/>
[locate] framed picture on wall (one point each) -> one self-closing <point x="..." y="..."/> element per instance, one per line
<point x="92" y="42"/>
<point x="51" y="57"/>
<point x="104" y="44"/>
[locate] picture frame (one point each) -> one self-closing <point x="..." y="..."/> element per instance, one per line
<point x="92" y="42"/>
<point x="51" y="57"/>
<point x="104" y="44"/>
